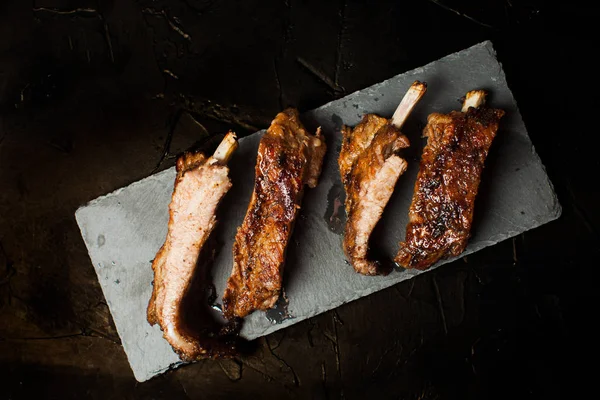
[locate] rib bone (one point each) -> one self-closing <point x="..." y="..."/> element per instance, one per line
<point x="370" y="167"/>
<point x="474" y="98"/>
<point x="409" y="101"/>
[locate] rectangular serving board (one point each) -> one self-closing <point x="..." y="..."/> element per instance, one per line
<point x="123" y="230"/>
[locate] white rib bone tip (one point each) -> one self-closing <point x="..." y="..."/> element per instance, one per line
<point x="409" y="101"/>
<point x="226" y="148"/>
<point x="474" y="99"/>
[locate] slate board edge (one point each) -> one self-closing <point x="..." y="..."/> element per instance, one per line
<point x="557" y="206"/>
<point x="487" y="44"/>
<point x="78" y="215"/>
<point x="99" y="199"/>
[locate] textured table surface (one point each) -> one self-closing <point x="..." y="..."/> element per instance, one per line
<point x="98" y="94"/>
<point x="124" y="230"/>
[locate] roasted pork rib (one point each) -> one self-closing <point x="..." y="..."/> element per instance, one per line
<point x="200" y="185"/>
<point x="441" y="211"/>
<point x="288" y="158"/>
<point x="370" y="167"/>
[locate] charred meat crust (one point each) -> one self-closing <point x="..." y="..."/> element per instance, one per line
<point x="288" y="158"/>
<point x="441" y="212"/>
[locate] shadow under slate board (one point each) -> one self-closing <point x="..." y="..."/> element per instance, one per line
<point x="124" y="229"/>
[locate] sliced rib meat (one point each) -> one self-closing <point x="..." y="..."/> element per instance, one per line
<point x="200" y="185"/>
<point x="370" y="167"/>
<point x="288" y="158"/>
<point x="441" y="212"/>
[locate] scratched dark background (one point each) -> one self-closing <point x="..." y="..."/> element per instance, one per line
<point x="97" y="94"/>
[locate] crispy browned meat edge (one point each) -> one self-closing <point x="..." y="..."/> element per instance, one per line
<point x="488" y="119"/>
<point x="316" y="149"/>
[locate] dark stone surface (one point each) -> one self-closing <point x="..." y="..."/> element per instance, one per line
<point x="87" y="107"/>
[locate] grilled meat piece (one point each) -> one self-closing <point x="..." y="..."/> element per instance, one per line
<point x="441" y="211"/>
<point x="288" y="158"/>
<point x="369" y="168"/>
<point x="200" y="185"/>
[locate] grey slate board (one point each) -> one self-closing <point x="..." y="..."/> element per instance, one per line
<point x="124" y="229"/>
